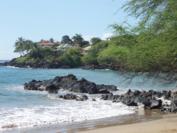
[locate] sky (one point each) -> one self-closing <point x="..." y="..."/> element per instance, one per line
<point x="44" y="19"/>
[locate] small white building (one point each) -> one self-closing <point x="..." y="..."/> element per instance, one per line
<point x="64" y="47"/>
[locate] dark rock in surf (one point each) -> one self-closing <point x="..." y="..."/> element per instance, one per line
<point x="150" y="99"/>
<point x="107" y="97"/>
<point x="69" y="83"/>
<point x="74" y="97"/>
<point x="156" y="104"/>
<point x="84" y="86"/>
<point x="52" y="88"/>
<point x="34" y="85"/>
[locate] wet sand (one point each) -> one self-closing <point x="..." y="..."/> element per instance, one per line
<point x="93" y="125"/>
<point x="167" y="124"/>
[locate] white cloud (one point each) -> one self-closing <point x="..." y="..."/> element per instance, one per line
<point x="106" y="36"/>
<point x="103" y="37"/>
<point x="88" y="37"/>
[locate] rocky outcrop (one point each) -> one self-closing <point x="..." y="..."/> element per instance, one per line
<point x="39" y="64"/>
<point x="54" y="64"/>
<point x="165" y="101"/>
<point x="102" y="66"/>
<point x="71" y="96"/>
<point x="69" y="83"/>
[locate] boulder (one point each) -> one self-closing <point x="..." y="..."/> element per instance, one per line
<point x="74" y="97"/>
<point x="155" y="104"/>
<point x="34" y="85"/>
<point x="174" y="106"/>
<point x="131" y="103"/>
<point x="52" y="88"/>
<point x="84" y="86"/>
<point x="107" y="97"/>
<point x="106" y="88"/>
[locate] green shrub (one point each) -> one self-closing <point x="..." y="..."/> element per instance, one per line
<point x="154" y="55"/>
<point x="89" y="59"/>
<point x="123" y="40"/>
<point x="115" y="55"/>
<point x="91" y="56"/>
<point x="71" y="57"/>
<point x="22" y="59"/>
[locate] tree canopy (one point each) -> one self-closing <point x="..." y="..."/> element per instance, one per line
<point x="66" y="40"/>
<point x="95" y="40"/>
<point x="24" y="46"/>
<point x="155" y="14"/>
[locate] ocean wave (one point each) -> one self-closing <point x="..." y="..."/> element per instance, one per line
<point x="65" y="112"/>
<point x="20" y="89"/>
<point x="12" y="67"/>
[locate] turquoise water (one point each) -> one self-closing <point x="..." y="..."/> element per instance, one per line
<point x="12" y="80"/>
<point x="26" y="108"/>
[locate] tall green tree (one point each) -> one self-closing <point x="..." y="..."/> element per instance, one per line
<point x="120" y="30"/>
<point x="156" y="47"/>
<point x="157" y="14"/>
<point x="52" y="40"/>
<point x="78" y="40"/>
<point x="66" y="40"/>
<point x="23" y="46"/>
<point x="95" y="40"/>
<point x="19" y="47"/>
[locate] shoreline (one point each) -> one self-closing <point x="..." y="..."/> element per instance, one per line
<point x="167" y="124"/>
<point x="89" y="125"/>
<point x="82" y="66"/>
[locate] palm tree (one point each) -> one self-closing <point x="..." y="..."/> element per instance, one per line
<point x="23" y="46"/>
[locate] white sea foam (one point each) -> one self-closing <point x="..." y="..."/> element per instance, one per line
<point x="61" y="112"/>
<point x="16" y="88"/>
<point x="12" y="67"/>
<point x="20" y="88"/>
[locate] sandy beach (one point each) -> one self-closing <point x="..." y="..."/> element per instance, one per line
<point x="168" y="124"/>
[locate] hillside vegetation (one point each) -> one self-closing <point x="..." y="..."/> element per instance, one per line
<point x="150" y="46"/>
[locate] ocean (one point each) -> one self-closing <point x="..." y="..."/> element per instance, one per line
<point x="21" y="109"/>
